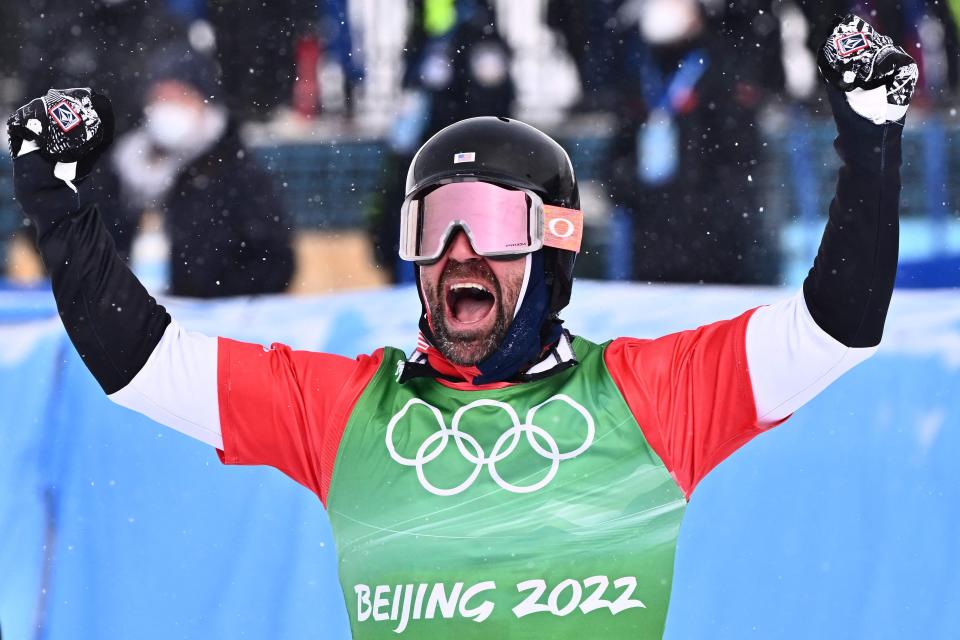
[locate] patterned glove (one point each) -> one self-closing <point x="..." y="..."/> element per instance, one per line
<point x="878" y="76"/>
<point x="70" y="128"/>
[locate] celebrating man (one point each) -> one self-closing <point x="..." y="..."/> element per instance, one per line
<point x="509" y="479"/>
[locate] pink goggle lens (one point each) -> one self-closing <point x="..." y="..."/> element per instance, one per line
<point x="497" y="220"/>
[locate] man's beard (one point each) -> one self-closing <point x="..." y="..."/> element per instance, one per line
<point x="467" y="348"/>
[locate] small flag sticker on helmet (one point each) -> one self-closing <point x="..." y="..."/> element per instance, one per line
<point x="464" y="157"/>
<point x="850" y="43"/>
<point x="64" y="115"/>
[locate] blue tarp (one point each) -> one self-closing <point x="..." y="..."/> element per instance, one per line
<point x="843" y="523"/>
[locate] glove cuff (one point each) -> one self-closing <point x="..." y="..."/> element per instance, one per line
<point x="872" y="104"/>
<point x="45" y="199"/>
<point x="864" y="146"/>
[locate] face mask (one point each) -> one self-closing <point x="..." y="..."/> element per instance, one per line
<point x="667" y="21"/>
<point x="173" y="127"/>
<point x="488" y="65"/>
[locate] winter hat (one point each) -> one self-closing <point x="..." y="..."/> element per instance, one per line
<point x="190" y="67"/>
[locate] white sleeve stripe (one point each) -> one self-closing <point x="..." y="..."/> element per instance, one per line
<point x="815" y="386"/>
<point x="791" y="359"/>
<point x="177" y="386"/>
<point x="142" y="403"/>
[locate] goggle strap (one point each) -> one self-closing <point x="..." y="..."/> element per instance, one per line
<point x="562" y="228"/>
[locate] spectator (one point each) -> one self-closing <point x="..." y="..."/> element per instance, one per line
<point x="106" y="45"/>
<point x="683" y="158"/>
<point x="589" y="33"/>
<point x="463" y="69"/>
<point x="337" y="36"/>
<point x="257" y="48"/>
<point x="10" y="45"/>
<point x="456" y="68"/>
<point x="229" y="232"/>
<point x="751" y="30"/>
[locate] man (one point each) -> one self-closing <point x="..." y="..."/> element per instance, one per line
<point x="509" y="479"/>
<point x="113" y="39"/>
<point x="228" y="228"/>
<point x="455" y="68"/>
<point x="686" y="143"/>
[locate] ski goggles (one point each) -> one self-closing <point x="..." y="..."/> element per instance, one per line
<point x="498" y="221"/>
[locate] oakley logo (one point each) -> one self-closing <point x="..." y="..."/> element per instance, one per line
<point x="64" y="115"/>
<point x="561" y="227"/>
<point x="564" y="227"/>
<point x="541" y="441"/>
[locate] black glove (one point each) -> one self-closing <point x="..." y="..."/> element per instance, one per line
<point x="55" y="140"/>
<point x="878" y="77"/>
<point x="66" y="126"/>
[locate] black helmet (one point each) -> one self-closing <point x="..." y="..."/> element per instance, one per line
<point x="509" y="153"/>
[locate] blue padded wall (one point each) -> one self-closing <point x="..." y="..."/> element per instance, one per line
<point x="842" y="523"/>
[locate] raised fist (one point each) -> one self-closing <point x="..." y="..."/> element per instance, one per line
<point x="55" y="141"/>
<point x="68" y="127"/>
<point x="878" y="76"/>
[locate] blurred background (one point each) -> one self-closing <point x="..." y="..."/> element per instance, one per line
<point x="260" y="158"/>
<point x="720" y="173"/>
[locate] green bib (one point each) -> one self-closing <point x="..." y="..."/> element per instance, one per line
<point x="533" y="511"/>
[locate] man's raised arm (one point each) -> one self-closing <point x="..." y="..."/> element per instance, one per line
<point x="259" y="406"/>
<point x="702" y="394"/>
<point x="115" y="325"/>
<point x="797" y="347"/>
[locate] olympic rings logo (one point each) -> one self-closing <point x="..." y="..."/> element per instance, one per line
<point x="506" y="443"/>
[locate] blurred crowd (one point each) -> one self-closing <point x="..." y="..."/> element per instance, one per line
<point x="680" y="88"/>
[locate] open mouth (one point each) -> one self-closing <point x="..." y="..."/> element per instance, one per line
<point x="469" y="302"/>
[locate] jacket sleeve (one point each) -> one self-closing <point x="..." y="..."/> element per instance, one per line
<point x="261" y="406"/>
<point x="699" y="395"/>
<point x="110" y="318"/>
<point x="286" y="408"/>
<point x="123" y="335"/>
<point x="690" y="393"/>
<point x="797" y="347"/>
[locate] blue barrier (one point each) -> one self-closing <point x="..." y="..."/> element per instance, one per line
<point x="843" y="523"/>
